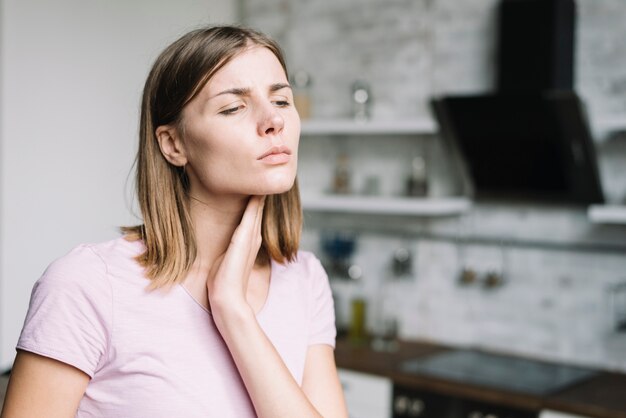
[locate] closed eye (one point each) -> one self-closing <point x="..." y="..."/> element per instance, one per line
<point x="231" y="110"/>
<point x="282" y="103"/>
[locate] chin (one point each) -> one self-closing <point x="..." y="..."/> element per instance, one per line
<point x="274" y="186"/>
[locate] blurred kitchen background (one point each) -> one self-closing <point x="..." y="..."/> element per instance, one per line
<point x="418" y="246"/>
<point x="558" y="273"/>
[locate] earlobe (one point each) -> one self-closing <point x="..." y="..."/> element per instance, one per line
<point x="171" y="145"/>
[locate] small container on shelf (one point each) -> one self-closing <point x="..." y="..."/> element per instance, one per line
<point x="417" y="183"/>
<point x="301" y="83"/>
<point x="361" y="101"/>
<point x="342" y="178"/>
<point x="357" y="330"/>
<point x="385" y="319"/>
<point x="371" y="187"/>
<point x="338" y="248"/>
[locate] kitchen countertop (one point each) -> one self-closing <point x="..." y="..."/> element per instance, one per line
<point x="602" y="396"/>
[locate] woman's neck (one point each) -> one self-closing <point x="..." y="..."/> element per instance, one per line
<point x="214" y="222"/>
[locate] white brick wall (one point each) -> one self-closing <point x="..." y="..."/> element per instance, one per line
<point x="411" y="49"/>
<point x="555" y="303"/>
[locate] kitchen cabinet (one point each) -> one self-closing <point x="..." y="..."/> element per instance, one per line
<point x="378" y="205"/>
<point x="367" y="396"/>
<point x="412" y="403"/>
<point x="600" y="396"/>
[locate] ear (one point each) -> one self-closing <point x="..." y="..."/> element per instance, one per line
<point x="171" y="145"/>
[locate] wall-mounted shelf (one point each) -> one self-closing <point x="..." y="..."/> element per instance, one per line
<point x="610" y="214"/>
<point x="603" y="128"/>
<point x="373" y="127"/>
<point x="383" y="205"/>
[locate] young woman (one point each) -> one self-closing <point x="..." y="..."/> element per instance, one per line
<point x="207" y="309"/>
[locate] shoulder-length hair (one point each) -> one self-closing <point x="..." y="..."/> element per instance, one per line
<point x="177" y="76"/>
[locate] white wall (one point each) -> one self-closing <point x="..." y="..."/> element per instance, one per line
<point x="71" y="74"/>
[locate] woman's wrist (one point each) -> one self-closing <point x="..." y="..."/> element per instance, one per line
<point x="229" y="314"/>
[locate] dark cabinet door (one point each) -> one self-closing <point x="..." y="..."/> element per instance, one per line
<point x="473" y="409"/>
<point x="411" y="403"/>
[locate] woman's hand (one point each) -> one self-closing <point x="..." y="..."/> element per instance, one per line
<point x="271" y="386"/>
<point x="228" y="279"/>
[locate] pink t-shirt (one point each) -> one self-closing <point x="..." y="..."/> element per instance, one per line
<point x="158" y="354"/>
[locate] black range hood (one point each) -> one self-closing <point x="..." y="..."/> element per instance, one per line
<point x="523" y="147"/>
<point x="530" y="140"/>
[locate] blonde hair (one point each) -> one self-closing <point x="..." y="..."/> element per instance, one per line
<point x="176" y="77"/>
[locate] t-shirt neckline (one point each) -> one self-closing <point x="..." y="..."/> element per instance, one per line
<point x="265" y="304"/>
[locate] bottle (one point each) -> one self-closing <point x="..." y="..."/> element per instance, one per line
<point x="301" y="83"/>
<point x="385" y="321"/>
<point x="361" y="100"/>
<point x="357" y="332"/>
<point x="341" y="180"/>
<point x="417" y="183"/>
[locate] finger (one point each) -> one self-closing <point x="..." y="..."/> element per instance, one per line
<point x="259" y="215"/>
<point x="256" y="235"/>
<point x="247" y="224"/>
<point x="245" y="243"/>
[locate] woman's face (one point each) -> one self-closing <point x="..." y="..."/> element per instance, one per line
<point x="240" y="133"/>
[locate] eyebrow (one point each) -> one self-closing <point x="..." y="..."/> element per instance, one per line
<point x="245" y="91"/>
<point x="279" y="86"/>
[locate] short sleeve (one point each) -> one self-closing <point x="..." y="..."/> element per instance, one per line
<point x="322" y="325"/>
<point x="69" y="316"/>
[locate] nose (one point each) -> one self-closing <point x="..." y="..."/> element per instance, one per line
<point x="271" y="121"/>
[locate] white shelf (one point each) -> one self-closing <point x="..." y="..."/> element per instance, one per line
<point x="611" y="214"/>
<point x="372" y="127"/>
<point x="615" y="124"/>
<point x="387" y="205"/>
<point x="603" y="128"/>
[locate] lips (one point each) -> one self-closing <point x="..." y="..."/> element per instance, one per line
<point x="276" y="155"/>
<point x="283" y="149"/>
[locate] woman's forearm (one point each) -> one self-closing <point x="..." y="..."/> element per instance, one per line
<point x="272" y="388"/>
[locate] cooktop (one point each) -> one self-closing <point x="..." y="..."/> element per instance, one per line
<point x="499" y="371"/>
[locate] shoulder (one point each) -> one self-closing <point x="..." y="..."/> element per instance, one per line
<point x="305" y="262"/>
<point x="70" y="313"/>
<point x="306" y="268"/>
<point x="88" y="264"/>
<point x="81" y="261"/>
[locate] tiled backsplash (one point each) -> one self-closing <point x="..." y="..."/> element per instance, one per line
<point x="556" y="302"/>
